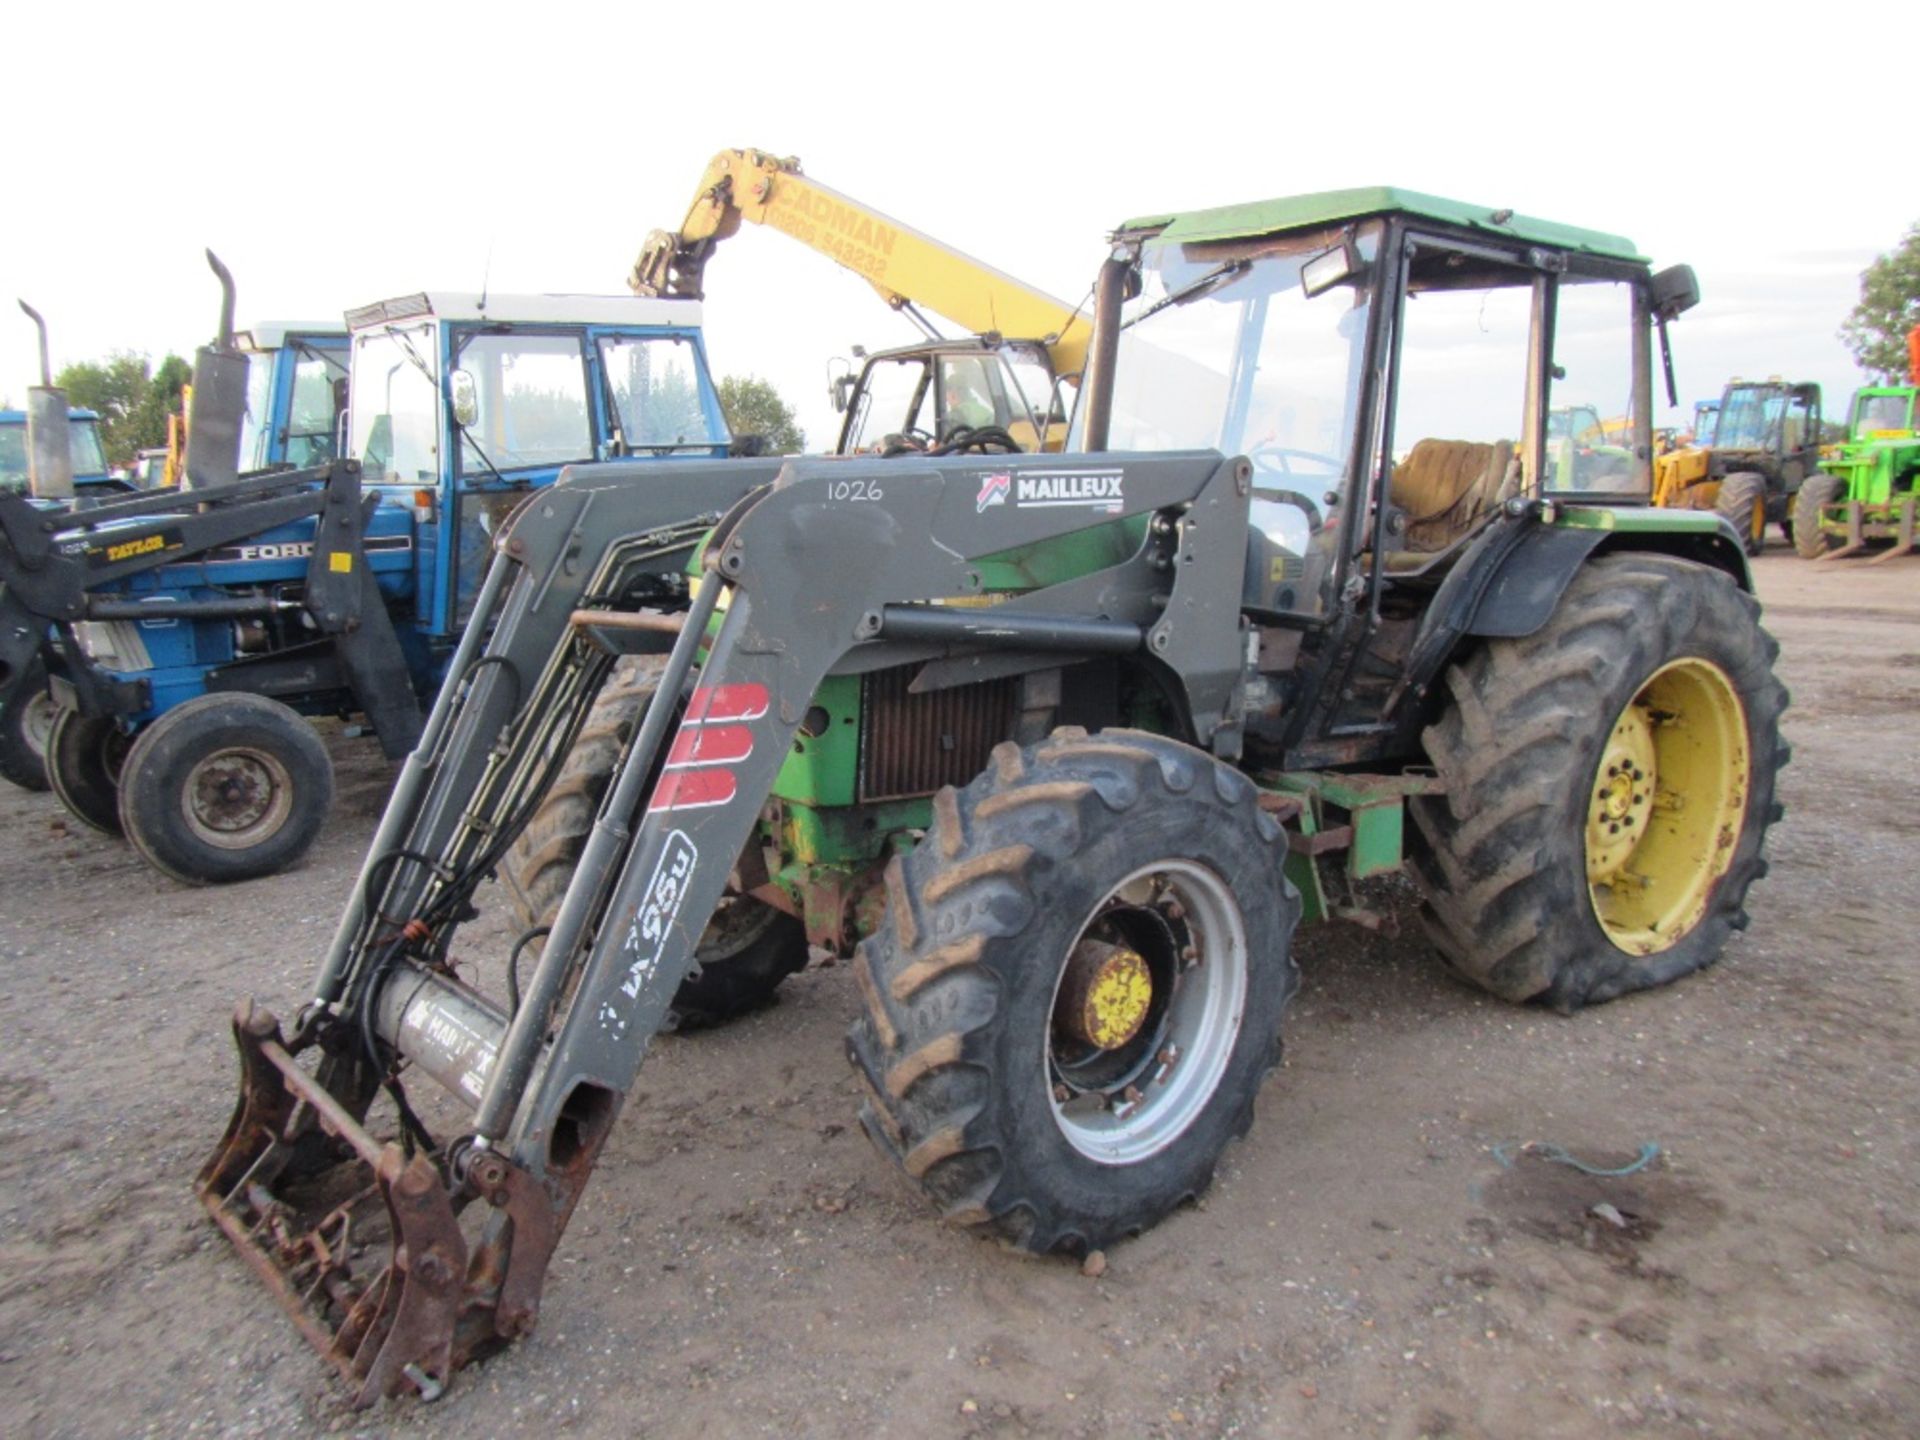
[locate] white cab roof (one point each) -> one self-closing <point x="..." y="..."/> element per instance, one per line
<point x="528" y="309"/>
<point x="267" y="335"/>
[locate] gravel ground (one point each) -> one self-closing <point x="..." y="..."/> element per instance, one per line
<point x="744" y="1263"/>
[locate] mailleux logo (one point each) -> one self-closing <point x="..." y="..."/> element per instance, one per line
<point x="1089" y="489"/>
<point x="993" y="491"/>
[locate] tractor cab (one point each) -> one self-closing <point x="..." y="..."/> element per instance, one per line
<point x="948" y="392"/>
<point x="296" y="394"/>
<point x="1399" y="369"/>
<point x="463" y="404"/>
<point x="91" y="477"/>
<point x="1882" y="412"/>
<point x="1770" y="422"/>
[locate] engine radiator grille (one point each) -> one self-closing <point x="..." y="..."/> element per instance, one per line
<point x="913" y="744"/>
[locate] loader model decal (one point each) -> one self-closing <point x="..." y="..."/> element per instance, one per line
<point x="100" y="556"/>
<point x="656" y="914"/>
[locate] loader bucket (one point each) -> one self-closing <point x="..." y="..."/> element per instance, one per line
<point x="359" y="1241"/>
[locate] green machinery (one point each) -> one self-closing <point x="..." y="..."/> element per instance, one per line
<point x="1057" y="748"/>
<point x="1867" y="491"/>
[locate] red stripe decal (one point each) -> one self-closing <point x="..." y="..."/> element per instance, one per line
<point x="693" y="789"/>
<point x="746" y="701"/>
<point x="710" y="745"/>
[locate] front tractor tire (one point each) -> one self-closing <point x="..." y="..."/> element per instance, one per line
<point x="1076" y="988"/>
<point x="1810" y="540"/>
<point x="748" y="949"/>
<point x="225" y="787"/>
<point x="26" y="722"/>
<point x="1609" y="781"/>
<point x="1743" y="501"/>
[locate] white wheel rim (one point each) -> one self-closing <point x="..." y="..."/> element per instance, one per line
<point x="36" y="723"/>
<point x="1143" y="1111"/>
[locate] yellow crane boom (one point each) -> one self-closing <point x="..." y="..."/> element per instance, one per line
<point x="907" y="267"/>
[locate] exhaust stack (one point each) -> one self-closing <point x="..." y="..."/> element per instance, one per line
<point x="219" y="403"/>
<point x="49" y="443"/>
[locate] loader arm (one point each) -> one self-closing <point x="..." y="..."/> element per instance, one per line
<point x="777" y="609"/>
<point x="907" y="267"/>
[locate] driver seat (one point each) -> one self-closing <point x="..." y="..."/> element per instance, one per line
<point x="1444" y="486"/>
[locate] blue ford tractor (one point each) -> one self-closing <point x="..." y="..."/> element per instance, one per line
<point x="296" y="388"/>
<point x="196" y="630"/>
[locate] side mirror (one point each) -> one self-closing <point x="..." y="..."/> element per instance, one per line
<point x="842" y="393"/>
<point x="1674" y="291"/>
<point x="465" y="397"/>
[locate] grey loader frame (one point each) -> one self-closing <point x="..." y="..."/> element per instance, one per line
<point x="810" y="568"/>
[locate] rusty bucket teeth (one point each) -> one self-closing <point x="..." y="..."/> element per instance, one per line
<point x="365" y="1252"/>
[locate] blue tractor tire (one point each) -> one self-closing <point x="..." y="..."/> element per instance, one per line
<point x="26" y="722"/>
<point x="225" y="787"/>
<point x="85" y="755"/>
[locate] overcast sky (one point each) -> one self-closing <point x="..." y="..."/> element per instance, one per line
<point x="400" y="147"/>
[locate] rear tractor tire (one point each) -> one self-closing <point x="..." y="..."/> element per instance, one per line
<point x="1743" y="502"/>
<point x="1609" y="784"/>
<point x="26" y="722"/>
<point x="225" y="788"/>
<point x="749" y="947"/>
<point x="1817" y="492"/>
<point x="1076" y="988"/>
<point x="84" y="761"/>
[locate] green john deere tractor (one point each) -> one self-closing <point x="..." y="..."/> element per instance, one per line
<point x="1058" y="749"/>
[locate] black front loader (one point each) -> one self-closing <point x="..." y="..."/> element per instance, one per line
<point x="60" y="568"/>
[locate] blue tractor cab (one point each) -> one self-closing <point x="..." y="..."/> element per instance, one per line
<point x="91" y="478"/>
<point x="200" y="633"/>
<point x="296" y="394"/>
<point x="462" y="404"/>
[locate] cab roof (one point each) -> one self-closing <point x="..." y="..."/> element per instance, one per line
<point x="267" y="335"/>
<point x="1332" y="207"/>
<point x="528" y="309"/>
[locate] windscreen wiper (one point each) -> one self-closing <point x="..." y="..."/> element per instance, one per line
<point x="1195" y="289"/>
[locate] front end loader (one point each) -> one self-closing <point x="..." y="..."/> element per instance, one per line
<point x="1868" y="494"/>
<point x="1059" y="748"/>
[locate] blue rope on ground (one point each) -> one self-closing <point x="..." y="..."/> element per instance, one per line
<point x="1505" y="1151"/>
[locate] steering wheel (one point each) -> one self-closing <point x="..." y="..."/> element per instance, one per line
<point x="1262" y="454"/>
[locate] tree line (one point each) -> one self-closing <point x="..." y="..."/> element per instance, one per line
<point x="131" y="396"/>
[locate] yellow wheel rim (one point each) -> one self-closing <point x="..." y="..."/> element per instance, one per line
<point x="1666" y="805"/>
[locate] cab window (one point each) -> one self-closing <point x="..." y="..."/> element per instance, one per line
<point x="1590" y="421"/>
<point x="532" y="395"/>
